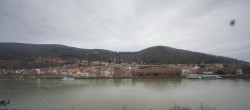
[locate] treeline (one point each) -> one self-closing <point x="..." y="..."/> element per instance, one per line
<point x="26" y="65"/>
<point x="168" y="55"/>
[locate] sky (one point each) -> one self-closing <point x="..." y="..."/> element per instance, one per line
<point x="131" y="25"/>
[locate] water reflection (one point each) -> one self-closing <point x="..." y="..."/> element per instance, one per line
<point x="202" y="107"/>
<point x="175" y="107"/>
<point x="153" y="81"/>
<point x="129" y="94"/>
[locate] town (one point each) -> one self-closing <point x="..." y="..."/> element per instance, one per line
<point x="101" y="69"/>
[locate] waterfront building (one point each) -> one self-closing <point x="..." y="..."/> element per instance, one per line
<point x="239" y="72"/>
<point x="184" y="72"/>
<point x="79" y="74"/>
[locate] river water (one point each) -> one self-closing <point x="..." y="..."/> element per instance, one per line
<point x="126" y="94"/>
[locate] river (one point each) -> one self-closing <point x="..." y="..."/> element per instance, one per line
<point x="126" y="94"/>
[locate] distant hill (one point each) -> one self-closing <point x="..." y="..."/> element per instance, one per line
<point x="26" y="54"/>
<point x="163" y="54"/>
<point x="20" y="51"/>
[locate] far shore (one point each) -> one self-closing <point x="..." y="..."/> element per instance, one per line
<point x="60" y="77"/>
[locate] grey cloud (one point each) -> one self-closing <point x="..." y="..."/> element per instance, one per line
<point x="130" y="25"/>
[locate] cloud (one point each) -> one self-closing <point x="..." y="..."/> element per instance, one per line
<point x="130" y="25"/>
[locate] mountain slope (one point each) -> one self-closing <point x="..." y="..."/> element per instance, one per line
<point x="163" y="54"/>
<point x="21" y="50"/>
<point x="27" y="53"/>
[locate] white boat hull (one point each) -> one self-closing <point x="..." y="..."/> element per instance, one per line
<point x="193" y="77"/>
<point x="67" y="79"/>
<point x="211" y="77"/>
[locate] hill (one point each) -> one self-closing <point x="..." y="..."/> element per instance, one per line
<point x="21" y="55"/>
<point x="163" y="54"/>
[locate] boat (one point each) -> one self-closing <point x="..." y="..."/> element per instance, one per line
<point x="211" y="77"/>
<point x="219" y="77"/>
<point x="67" y="78"/>
<point x="193" y="76"/>
<point x="4" y="101"/>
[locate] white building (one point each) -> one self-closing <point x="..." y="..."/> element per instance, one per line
<point x="79" y="74"/>
<point x="184" y="72"/>
<point x="239" y="71"/>
<point x="86" y="74"/>
<point x="38" y="71"/>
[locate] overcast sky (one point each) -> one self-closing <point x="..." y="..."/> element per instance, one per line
<point x="131" y="25"/>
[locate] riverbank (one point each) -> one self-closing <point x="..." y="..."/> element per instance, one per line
<point x="60" y="77"/>
<point x="235" y="76"/>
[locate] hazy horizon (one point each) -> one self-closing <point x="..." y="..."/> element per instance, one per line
<point x="132" y="25"/>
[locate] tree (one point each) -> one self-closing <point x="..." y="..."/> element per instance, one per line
<point x="220" y="72"/>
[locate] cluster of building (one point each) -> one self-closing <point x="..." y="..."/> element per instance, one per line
<point x="104" y="69"/>
<point x="209" y="69"/>
<point x="49" y="59"/>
